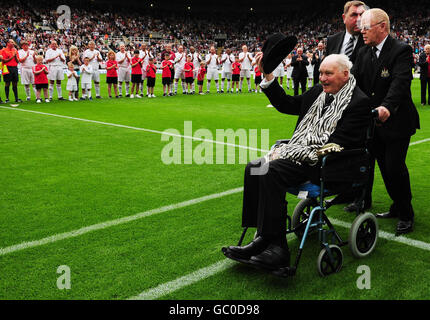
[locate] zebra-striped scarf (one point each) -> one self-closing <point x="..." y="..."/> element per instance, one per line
<point x="315" y="128"/>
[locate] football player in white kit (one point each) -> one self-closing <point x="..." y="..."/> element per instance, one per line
<point x="144" y="54"/>
<point x="226" y="60"/>
<point x="179" y="62"/>
<point x="310" y="69"/>
<point x="245" y="59"/>
<point x="124" y="71"/>
<point x="27" y="59"/>
<point x="288" y="70"/>
<point x="279" y="73"/>
<point x="55" y="60"/>
<point x="196" y="58"/>
<point x="212" y="69"/>
<point x="95" y="58"/>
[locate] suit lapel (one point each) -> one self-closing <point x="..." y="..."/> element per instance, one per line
<point x="340" y="43"/>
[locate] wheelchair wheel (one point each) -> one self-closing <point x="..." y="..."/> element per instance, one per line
<point x="301" y="213"/>
<point x="324" y="265"/>
<point x="363" y="235"/>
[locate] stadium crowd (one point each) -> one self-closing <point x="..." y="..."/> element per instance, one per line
<point x="155" y="33"/>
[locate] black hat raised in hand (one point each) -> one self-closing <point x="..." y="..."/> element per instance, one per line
<point x="275" y="49"/>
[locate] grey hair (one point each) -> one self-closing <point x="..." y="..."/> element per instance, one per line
<point x="342" y="61"/>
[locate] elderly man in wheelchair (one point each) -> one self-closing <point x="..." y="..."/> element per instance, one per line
<point x="326" y="155"/>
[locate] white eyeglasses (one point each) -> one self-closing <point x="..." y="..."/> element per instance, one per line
<point x="367" y="27"/>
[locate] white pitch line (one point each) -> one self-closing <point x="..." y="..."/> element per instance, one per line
<point x="419" y="141"/>
<point x="196" y="276"/>
<point x="220" y="266"/>
<point x="389" y="236"/>
<point x="107" y="224"/>
<point x="137" y="128"/>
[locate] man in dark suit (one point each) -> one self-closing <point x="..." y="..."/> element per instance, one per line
<point x="339" y="103"/>
<point x="300" y="73"/>
<point x="424" y="63"/>
<point x="317" y="57"/>
<point x="349" y="41"/>
<point x="383" y="70"/>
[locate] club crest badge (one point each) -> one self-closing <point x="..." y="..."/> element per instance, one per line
<point x="385" y="73"/>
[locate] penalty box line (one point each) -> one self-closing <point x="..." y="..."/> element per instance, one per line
<point x="137" y="128"/>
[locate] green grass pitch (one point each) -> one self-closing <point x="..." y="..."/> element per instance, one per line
<point x="61" y="174"/>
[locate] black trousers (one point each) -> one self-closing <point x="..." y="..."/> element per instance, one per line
<point x="264" y="204"/>
<point x="296" y="82"/>
<point x="425" y="90"/>
<point x="391" y="157"/>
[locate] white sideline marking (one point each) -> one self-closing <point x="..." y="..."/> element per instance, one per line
<point x="196" y="276"/>
<point x="156" y="131"/>
<point x="107" y="224"/>
<point x="139" y="129"/>
<point x="390" y="236"/>
<point x="201" y="274"/>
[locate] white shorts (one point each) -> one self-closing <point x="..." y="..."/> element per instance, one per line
<point x="124" y="74"/>
<point x="279" y="72"/>
<point x="245" y="73"/>
<point x="96" y="76"/>
<point x="289" y="72"/>
<point x="27" y="76"/>
<point x="212" y="73"/>
<point x="225" y="75"/>
<point x="86" y="85"/>
<point x="55" y="73"/>
<point x="143" y="73"/>
<point x="195" y="73"/>
<point x="72" y="87"/>
<point x="179" y="73"/>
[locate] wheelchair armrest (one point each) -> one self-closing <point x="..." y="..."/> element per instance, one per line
<point x="345" y="153"/>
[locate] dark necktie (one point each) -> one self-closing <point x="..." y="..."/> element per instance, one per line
<point x="374" y="56"/>
<point x="349" y="47"/>
<point x="328" y="100"/>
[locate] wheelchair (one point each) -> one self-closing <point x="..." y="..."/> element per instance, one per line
<point x="309" y="216"/>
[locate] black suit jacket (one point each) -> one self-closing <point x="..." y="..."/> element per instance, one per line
<point x="388" y="84"/>
<point x="422" y="62"/>
<point x="299" y="67"/>
<point x="316" y="63"/>
<point x="334" y="45"/>
<point x="351" y="129"/>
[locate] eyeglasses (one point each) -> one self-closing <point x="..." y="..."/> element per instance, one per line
<point x="367" y="27"/>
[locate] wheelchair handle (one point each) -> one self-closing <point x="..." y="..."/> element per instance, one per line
<point x="375" y="113"/>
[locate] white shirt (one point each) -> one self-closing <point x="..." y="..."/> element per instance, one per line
<point x="146" y="59"/>
<point x="29" y="62"/>
<point x="180" y="59"/>
<point x="379" y="46"/>
<point x="72" y="79"/>
<point x="53" y="53"/>
<point x="214" y="61"/>
<point x="288" y="63"/>
<point x="226" y="66"/>
<point x="120" y="56"/>
<point x="346" y="40"/>
<point x="90" y="54"/>
<point x="86" y="73"/>
<point x="245" y="64"/>
<point x="195" y="56"/>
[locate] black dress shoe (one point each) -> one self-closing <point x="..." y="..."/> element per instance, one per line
<point x="273" y="258"/>
<point x="352" y="207"/>
<point x="404" y="227"/>
<point x="387" y="215"/>
<point x="244" y="253"/>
